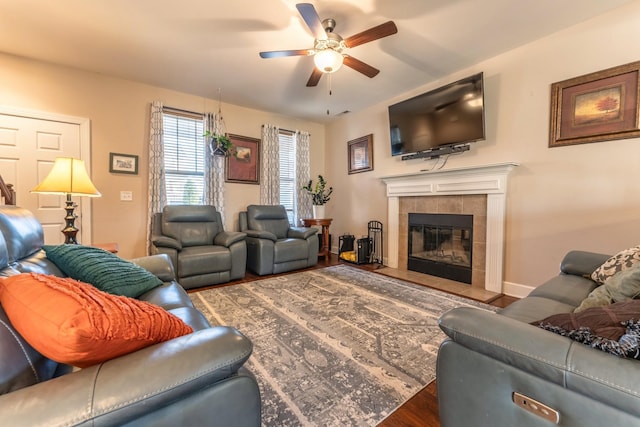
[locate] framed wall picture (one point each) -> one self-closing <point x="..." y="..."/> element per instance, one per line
<point x="123" y="163"/>
<point x="243" y="166"/>
<point x="600" y="106"/>
<point x="361" y="154"/>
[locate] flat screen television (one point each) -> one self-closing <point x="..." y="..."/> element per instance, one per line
<point x="447" y="116"/>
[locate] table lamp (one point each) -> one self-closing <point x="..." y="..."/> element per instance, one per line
<point x="68" y="176"/>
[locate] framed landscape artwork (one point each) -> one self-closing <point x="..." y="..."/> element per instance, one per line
<point x="123" y="163"/>
<point x="601" y="106"/>
<point x="361" y="154"/>
<point x="243" y="166"/>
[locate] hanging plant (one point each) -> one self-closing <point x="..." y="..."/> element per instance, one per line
<point x="221" y="145"/>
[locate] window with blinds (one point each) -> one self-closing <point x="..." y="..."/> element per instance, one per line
<point x="288" y="173"/>
<point x="183" y="158"/>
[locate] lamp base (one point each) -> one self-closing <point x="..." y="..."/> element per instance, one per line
<point x="70" y="229"/>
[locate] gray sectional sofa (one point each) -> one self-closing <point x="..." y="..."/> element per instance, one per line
<point x="194" y="380"/>
<point x="499" y="370"/>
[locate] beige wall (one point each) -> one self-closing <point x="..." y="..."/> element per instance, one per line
<point x="576" y="197"/>
<point x="559" y="199"/>
<point x="119" y="110"/>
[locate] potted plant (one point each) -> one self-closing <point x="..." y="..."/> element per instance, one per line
<point x="221" y="145"/>
<point x="319" y="195"/>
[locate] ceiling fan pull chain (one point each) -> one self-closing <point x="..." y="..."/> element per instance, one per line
<point x="329" y="97"/>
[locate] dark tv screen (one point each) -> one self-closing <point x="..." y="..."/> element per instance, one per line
<point x="450" y="115"/>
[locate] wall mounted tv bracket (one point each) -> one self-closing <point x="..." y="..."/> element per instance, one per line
<point x="435" y="153"/>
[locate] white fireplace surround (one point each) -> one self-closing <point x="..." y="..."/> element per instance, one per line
<point x="490" y="180"/>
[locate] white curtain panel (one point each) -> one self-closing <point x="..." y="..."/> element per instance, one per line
<point x="213" y="166"/>
<point x="270" y="167"/>
<point x="157" y="196"/>
<point x="303" y="166"/>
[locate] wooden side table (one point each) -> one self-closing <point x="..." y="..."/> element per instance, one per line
<point x="109" y="247"/>
<point x="324" y="223"/>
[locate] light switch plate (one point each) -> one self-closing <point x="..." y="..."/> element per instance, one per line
<point x="126" y="196"/>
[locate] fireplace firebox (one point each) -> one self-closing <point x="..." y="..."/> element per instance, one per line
<point x="441" y="245"/>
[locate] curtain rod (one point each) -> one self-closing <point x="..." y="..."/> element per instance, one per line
<point x="286" y="130"/>
<point x="182" y="112"/>
<point x="193" y="113"/>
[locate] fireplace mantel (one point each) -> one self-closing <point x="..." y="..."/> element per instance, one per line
<point x="490" y="180"/>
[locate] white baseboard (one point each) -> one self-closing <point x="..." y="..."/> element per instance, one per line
<point x="516" y="290"/>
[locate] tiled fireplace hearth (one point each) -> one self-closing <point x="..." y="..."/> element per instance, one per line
<point x="480" y="191"/>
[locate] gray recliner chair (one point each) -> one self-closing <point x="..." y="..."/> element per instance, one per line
<point x="273" y="246"/>
<point x="202" y="252"/>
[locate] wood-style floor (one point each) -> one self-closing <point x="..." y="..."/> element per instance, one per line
<point x="422" y="409"/>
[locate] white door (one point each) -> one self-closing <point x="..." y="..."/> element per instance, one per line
<point x="29" y="144"/>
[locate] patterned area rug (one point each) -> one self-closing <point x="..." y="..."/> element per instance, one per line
<point x="337" y="346"/>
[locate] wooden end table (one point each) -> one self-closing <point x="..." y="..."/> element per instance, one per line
<point x="324" y="223"/>
<point x="109" y="247"/>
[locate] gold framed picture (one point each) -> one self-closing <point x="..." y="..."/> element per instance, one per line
<point x="596" y="107"/>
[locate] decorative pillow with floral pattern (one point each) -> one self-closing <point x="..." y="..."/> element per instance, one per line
<point x="620" y="261"/>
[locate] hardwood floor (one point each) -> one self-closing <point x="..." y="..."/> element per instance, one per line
<point x="422" y="409"/>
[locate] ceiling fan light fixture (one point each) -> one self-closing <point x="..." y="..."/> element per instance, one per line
<point x="328" y="60"/>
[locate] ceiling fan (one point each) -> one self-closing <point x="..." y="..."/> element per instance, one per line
<point x="328" y="48"/>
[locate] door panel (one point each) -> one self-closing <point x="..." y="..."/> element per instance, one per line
<point x="28" y="148"/>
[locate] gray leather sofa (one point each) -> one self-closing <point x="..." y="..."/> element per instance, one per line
<point x="194" y="380"/>
<point x="202" y="252"/>
<point x="489" y="357"/>
<point x="273" y="246"/>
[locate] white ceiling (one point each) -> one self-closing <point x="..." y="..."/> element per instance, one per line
<point x="201" y="46"/>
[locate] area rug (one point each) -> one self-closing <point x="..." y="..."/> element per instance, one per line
<point x="337" y="346"/>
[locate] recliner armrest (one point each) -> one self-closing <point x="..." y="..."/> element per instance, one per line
<point x="575" y="366"/>
<point x="301" y="232"/>
<point x="159" y="265"/>
<point x="166" y="242"/>
<point x="228" y="238"/>
<point x="261" y="235"/>
<point x="133" y="385"/>
<point x="519" y="344"/>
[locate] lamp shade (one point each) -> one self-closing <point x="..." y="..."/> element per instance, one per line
<point x="67" y="176"/>
<point x="328" y="60"/>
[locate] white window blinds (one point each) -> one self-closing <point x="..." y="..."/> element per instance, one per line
<point x="288" y="172"/>
<point x="183" y="158"/>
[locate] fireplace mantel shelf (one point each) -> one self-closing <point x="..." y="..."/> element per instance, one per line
<point x="490" y="180"/>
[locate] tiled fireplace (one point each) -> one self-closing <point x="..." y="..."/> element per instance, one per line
<point x="479" y="191"/>
<point x="462" y="206"/>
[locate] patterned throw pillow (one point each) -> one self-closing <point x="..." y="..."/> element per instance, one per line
<point x="104" y="270"/>
<point x="620" y="261"/>
<point x="620" y="287"/>
<point x="614" y="328"/>
<point x="74" y="323"/>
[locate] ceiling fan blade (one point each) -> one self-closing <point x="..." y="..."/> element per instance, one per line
<point x="312" y="19"/>
<point x="282" y="53"/>
<point x="374" y="33"/>
<point x="314" y="78"/>
<point x="360" y="66"/>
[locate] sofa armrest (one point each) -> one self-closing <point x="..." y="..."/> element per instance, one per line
<point x="554" y="358"/>
<point x="166" y="242"/>
<point x="228" y="238"/>
<point x="261" y="235"/>
<point x="581" y="263"/>
<point x="301" y="232"/>
<point x="159" y="265"/>
<point x="133" y="385"/>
